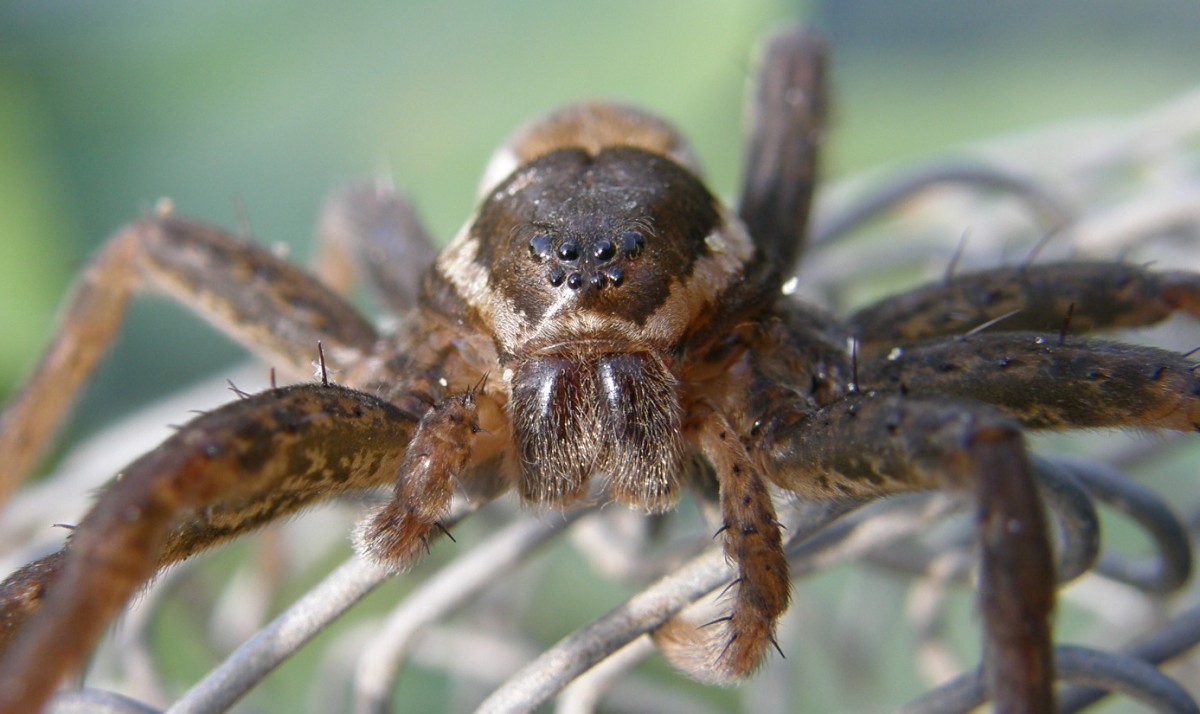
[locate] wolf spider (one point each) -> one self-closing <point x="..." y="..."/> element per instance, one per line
<point x="601" y="314"/>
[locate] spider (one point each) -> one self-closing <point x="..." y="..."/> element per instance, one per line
<point x="601" y="328"/>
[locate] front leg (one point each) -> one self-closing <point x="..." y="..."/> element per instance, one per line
<point x="224" y="473"/>
<point x="399" y="533"/>
<point x="871" y="445"/>
<point x="734" y="646"/>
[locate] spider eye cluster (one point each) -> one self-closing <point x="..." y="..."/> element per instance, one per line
<point x="594" y="262"/>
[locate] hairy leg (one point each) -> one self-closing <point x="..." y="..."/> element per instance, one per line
<point x="1047" y="384"/>
<point x="226" y="472"/>
<point x="874" y="445"/>
<point x="273" y="308"/>
<point x="1031" y="297"/>
<point x="399" y="533"/>
<point x="734" y="646"/>
<point x="370" y="229"/>
<point x="786" y="124"/>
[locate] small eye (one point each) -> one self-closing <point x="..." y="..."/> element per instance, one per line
<point x="557" y="276"/>
<point x="540" y="245"/>
<point x="574" y="281"/>
<point x="616" y="276"/>
<point x="604" y="250"/>
<point x="598" y="281"/>
<point x="632" y="243"/>
<point x="568" y="251"/>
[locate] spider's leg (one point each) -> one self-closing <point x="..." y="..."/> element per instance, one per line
<point x="275" y="309"/>
<point x="1032" y="297"/>
<point x="873" y="444"/>
<point x="787" y="118"/>
<point x="1046" y="384"/>
<point x="225" y="472"/>
<point x="370" y="229"/>
<point x="734" y="646"/>
<point x="399" y="533"/>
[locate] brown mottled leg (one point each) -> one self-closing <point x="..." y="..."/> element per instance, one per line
<point x="273" y="308"/>
<point x="1047" y="385"/>
<point x="786" y="123"/>
<point x="735" y="646"/>
<point x="369" y="228"/>
<point x="877" y="445"/>
<point x="224" y="473"/>
<point x="400" y="532"/>
<point x="1104" y="295"/>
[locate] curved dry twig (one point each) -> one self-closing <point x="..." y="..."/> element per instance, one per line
<point x="1175" y="637"/>
<point x="1172" y="566"/>
<point x="848" y="538"/>
<point x="555" y="668"/>
<point x="1136" y="679"/>
<point x="253" y="661"/>
<point x="98" y="701"/>
<point x="284" y="635"/>
<point x="1051" y="211"/>
<point x="453" y="585"/>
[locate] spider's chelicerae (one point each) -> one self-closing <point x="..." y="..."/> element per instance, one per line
<point x="601" y="320"/>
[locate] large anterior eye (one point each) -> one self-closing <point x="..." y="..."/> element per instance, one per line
<point x="541" y="246"/>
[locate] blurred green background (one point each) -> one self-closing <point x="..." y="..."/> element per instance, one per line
<point x="105" y="107"/>
<point x="267" y="105"/>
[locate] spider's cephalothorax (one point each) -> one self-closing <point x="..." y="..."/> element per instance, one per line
<point x="589" y="265"/>
<point x="600" y="318"/>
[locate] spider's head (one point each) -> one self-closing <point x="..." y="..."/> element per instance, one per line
<point x="600" y="234"/>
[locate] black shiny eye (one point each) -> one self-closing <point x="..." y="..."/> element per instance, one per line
<point x="598" y="281"/>
<point x="616" y="276"/>
<point x="574" y="281"/>
<point x="568" y="251"/>
<point x="632" y="243"/>
<point x="540" y="246"/>
<point x="604" y="250"/>
<point x="557" y="276"/>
